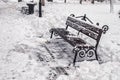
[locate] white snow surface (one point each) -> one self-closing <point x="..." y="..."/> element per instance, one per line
<point x="22" y="38"/>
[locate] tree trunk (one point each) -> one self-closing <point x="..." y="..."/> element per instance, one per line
<point x="64" y="1"/>
<point x="43" y="2"/>
<point x="80" y="1"/>
<point x="111" y="6"/>
<point x="93" y="1"/>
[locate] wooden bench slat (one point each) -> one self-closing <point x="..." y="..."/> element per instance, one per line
<point x="83" y="24"/>
<point x="82" y="29"/>
<point x="76" y="41"/>
<point x="72" y="40"/>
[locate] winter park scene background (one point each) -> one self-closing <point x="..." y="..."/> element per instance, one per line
<point x="25" y="43"/>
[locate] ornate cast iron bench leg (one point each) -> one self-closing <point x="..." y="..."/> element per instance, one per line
<point x="96" y="54"/>
<point x="51" y="34"/>
<point x="75" y="58"/>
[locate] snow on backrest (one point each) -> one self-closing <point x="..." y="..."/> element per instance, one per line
<point x="84" y="27"/>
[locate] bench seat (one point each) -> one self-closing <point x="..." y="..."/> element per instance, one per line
<point x="66" y="35"/>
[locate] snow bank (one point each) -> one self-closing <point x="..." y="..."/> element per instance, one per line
<point x="94" y="71"/>
<point x="23" y="37"/>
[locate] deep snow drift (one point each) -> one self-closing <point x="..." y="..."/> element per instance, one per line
<point x="24" y="40"/>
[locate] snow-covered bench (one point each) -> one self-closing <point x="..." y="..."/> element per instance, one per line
<point x="82" y="49"/>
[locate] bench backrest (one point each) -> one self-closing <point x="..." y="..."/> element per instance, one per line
<point x="85" y="28"/>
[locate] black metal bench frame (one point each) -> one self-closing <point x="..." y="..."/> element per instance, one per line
<point x="79" y="44"/>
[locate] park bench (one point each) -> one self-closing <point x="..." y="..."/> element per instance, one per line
<point x="82" y="49"/>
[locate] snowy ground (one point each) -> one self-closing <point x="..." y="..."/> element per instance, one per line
<point x="23" y="41"/>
